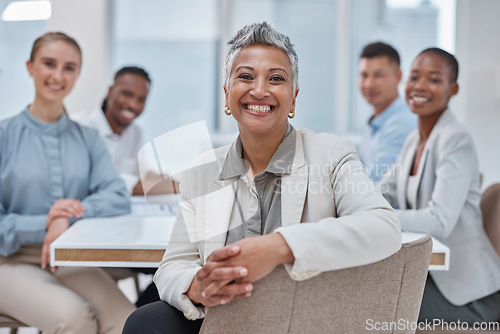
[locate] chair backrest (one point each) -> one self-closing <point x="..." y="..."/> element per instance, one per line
<point x="490" y="207"/>
<point x="352" y="300"/>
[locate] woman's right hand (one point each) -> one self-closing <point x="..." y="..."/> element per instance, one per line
<point x="54" y="230"/>
<point x="220" y="279"/>
<point x="65" y="208"/>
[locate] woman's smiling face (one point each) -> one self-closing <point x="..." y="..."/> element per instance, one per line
<point x="430" y="85"/>
<point x="260" y="90"/>
<point x="55" y="68"/>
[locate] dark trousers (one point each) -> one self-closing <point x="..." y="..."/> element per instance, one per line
<point x="160" y="318"/>
<point x="150" y="294"/>
<point x="435" y="306"/>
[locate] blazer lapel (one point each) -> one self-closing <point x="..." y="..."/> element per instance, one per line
<point x="294" y="187"/>
<point x="213" y="221"/>
<point x="218" y="208"/>
<point x="443" y="119"/>
<point x="405" y="173"/>
<point x="413" y="196"/>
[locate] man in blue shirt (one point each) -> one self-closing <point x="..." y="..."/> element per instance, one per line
<point x="392" y="121"/>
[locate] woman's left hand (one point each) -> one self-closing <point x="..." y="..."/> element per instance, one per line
<point x="260" y="255"/>
<point x="54" y="229"/>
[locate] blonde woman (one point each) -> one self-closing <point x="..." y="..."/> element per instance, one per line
<point x="53" y="172"/>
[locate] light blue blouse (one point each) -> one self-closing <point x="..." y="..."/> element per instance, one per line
<point x="43" y="162"/>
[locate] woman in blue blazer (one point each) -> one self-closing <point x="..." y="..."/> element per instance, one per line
<point x="435" y="185"/>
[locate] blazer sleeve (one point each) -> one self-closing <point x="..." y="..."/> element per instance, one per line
<point x="184" y="255"/>
<point x="456" y="167"/>
<point x="365" y="230"/>
<point x="182" y="259"/>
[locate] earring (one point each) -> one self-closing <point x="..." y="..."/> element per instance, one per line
<point x="292" y="114"/>
<point x="227" y="111"/>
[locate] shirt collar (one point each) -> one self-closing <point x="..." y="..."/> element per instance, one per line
<point x="52" y="129"/>
<point x="103" y="124"/>
<point x="281" y="162"/>
<point x="378" y="121"/>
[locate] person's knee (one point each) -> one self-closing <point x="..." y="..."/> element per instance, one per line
<point x="137" y="321"/>
<point x="76" y="318"/>
<point x="155" y="318"/>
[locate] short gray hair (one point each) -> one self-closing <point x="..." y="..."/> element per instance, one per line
<point x="260" y="33"/>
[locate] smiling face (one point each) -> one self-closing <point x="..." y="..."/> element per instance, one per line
<point x="430" y="85"/>
<point x="378" y="81"/>
<point x="126" y="100"/>
<point x="260" y="91"/>
<point x="54" y="68"/>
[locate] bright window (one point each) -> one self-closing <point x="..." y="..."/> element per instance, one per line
<point x="182" y="44"/>
<point x="16" y="40"/>
<point x="176" y="42"/>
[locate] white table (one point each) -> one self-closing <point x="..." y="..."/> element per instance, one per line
<point x="125" y="241"/>
<point x="155" y="205"/>
<point x="440" y="258"/>
<point x="140" y="241"/>
<point x="136" y="240"/>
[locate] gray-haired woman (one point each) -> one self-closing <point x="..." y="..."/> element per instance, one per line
<point x="242" y="205"/>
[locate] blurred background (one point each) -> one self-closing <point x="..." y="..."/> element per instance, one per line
<point x="182" y="45"/>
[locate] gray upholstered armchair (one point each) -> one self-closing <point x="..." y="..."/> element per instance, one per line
<point x="353" y="300"/>
<point x="490" y="207"/>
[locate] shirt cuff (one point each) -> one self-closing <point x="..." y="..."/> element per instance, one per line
<point x="31" y="229"/>
<point x="299" y="270"/>
<point x="88" y="213"/>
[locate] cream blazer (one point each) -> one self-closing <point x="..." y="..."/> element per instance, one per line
<point x="447" y="200"/>
<point x="333" y="216"/>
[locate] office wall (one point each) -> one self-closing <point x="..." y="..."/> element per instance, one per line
<point x="477" y="48"/>
<point x="89" y="23"/>
<point x="478" y="101"/>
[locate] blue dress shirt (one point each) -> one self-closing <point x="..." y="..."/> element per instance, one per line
<point x="384" y="137"/>
<point x="41" y="163"/>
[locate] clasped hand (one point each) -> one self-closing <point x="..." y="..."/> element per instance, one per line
<point x="57" y="222"/>
<point x="230" y="271"/>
